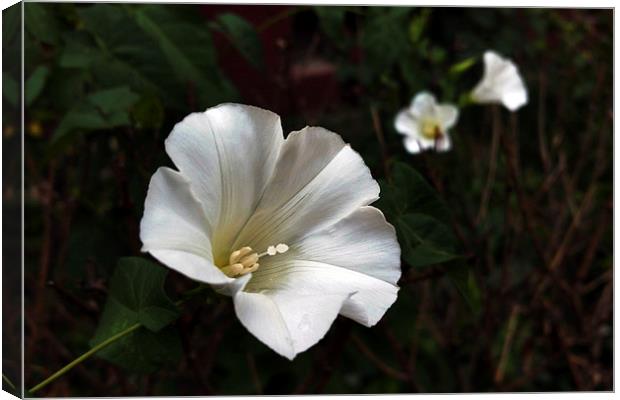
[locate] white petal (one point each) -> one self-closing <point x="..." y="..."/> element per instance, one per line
<point x="173" y="218"/>
<point x="447" y="115"/>
<point x="193" y="266"/>
<point x="288" y="322"/>
<point x="419" y="144"/>
<point x="407" y="125"/>
<point x="423" y="105"/>
<point x="370" y="297"/>
<point x="174" y="228"/>
<point x="515" y="95"/>
<point x="364" y="242"/>
<point x="444" y="144"/>
<point x="501" y="83"/>
<point x="228" y="153"/>
<point x="318" y="181"/>
<point x="412" y="145"/>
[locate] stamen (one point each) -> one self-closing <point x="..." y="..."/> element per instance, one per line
<point x="431" y="129"/>
<point x="244" y="260"/>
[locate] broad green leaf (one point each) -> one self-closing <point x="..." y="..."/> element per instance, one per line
<point x="104" y="109"/>
<point x="10" y="89"/>
<point x="114" y="99"/>
<point x="243" y="36"/>
<point x="77" y="54"/>
<point x="408" y="192"/>
<point x="425" y="240"/>
<point x="35" y="83"/>
<point x="189" y="51"/>
<point x="136" y="295"/>
<point x="384" y="38"/>
<point x="83" y="116"/>
<point x="138" y="286"/>
<point x="123" y="54"/>
<point x="11" y="21"/>
<point x="39" y="22"/>
<point x="157" y="49"/>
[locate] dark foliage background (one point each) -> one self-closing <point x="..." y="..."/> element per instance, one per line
<point x="526" y="198"/>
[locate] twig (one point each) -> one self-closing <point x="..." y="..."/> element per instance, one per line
<point x="377" y="361"/>
<point x="423" y="276"/>
<point x="376" y="123"/>
<point x="254" y="373"/>
<point x="44" y="263"/>
<point x="542" y="144"/>
<point x="510" y="331"/>
<point x="486" y="194"/>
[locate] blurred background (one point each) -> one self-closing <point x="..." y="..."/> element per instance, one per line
<point x="526" y="307"/>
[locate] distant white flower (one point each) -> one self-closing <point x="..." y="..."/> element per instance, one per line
<point x="282" y="226"/>
<point x="425" y="124"/>
<point x="501" y="83"/>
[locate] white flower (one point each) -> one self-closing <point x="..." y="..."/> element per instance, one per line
<point x="501" y="83"/>
<point x="282" y="226"/>
<point x="425" y="124"/>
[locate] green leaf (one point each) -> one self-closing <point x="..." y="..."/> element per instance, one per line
<point x="243" y="36"/>
<point x="384" y="38"/>
<point x="104" y="109"/>
<point x="40" y="23"/>
<point x="77" y="54"/>
<point x="138" y="285"/>
<point x="156" y="49"/>
<point x="189" y="51"/>
<point x="463" y="66"/>
<point x="123" y="53"/>
<point x="425" y="240"/>
<point x="35" y="83"/>
<point x="136" y="295"/>
<point x="10" y="89"/>
<point x="409" y="192"/>
<point x="11" y="22"/>
<point x="418" y="24"/>
<point x="114" y="99"/>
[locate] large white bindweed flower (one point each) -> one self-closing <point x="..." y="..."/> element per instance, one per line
<point x="282" y="226"/>
<point x="425" y="124"/>
<point x="501" y="83"/>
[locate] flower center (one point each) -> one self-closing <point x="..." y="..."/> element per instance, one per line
<point x="431" y="129"/>
<point x="245" y="260"/>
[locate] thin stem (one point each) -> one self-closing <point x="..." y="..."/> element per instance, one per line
<point x="84" y="356"/>
<point x="8" y="382"/>
<point x="492" y="165"/>
<point x="190" y="293"/>
<point x="376" y="123"/>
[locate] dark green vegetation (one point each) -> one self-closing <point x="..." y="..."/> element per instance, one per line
<point x="507" y="250"/>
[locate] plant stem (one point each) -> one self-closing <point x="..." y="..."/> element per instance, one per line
<point x="8" y="382"/>
<point x="107" y="342"/>
<point x="84" y="356"/>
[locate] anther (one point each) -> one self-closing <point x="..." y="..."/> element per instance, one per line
<point x="244" y="260"/>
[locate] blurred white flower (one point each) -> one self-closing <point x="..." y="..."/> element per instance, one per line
<point x="501" y="83"/>
<point x="282" y="226"/>
<point x="425" y="124"/>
